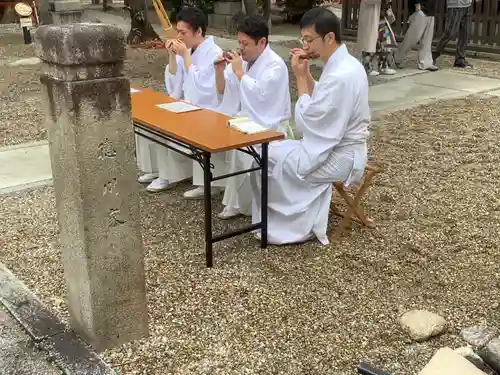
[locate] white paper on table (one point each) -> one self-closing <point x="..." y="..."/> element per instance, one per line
<point x="132" y="90"/>
<point x="245" y="125"/>
<point x="178" y="107"/>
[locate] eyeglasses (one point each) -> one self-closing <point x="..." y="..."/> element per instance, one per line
<point x="308" y="41"/>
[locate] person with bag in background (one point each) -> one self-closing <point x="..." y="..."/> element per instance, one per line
<point x="369" y="43"/>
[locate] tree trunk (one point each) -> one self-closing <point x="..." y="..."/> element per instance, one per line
<point x="267" y="13"/>
<point x="250" y="6"/>
<point x="140" y="27"/>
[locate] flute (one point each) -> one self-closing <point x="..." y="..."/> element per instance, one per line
<point x="309" y="56"/>
<point x="169" y="43"/>
<point x="226" y="56"/>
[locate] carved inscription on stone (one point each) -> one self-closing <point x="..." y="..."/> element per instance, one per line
<point x="114" y="217"/>
<point x="106" y="150"/>
<point x="110" y="187"/>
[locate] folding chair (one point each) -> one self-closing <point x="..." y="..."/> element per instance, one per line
<point x="353" y="204"/>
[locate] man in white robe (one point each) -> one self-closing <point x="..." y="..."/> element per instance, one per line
<point x="254" y="84"/>
<point x="333" y="115"/>
<point x="190" y="76"/>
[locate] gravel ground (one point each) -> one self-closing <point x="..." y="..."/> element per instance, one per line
<point x="307" y="308"/>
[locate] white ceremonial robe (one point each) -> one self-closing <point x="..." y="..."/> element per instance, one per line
<point x="334" y="123"/>
<point x="198" y="87"/>
<point x="263" y="95"/>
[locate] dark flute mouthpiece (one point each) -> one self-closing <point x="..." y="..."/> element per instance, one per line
<point x="310" y="56"/>
<point x="226" y="56"/>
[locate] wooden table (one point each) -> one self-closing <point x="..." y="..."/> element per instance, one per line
<point x="203" y="132"/>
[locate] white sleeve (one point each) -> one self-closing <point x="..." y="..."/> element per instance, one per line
<point x="174" y="83"/>
<point x="230" y="103"/>
<point x="260" y="92"/>
<point x="323" y="120"/>
<point x="200" y="84"/>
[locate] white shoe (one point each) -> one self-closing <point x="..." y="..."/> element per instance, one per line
<point x="388" y="72"/>
<point x="374" y="73"/>
<point x="229" y="212"/>
<point x="199" y="192"/>
<point x="157" y="185"/>
<point x="146" y="178"/>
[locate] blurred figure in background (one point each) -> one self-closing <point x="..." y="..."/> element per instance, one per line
<point x="458" y="20"/>
<point x="368" y="23"/>
<point x="375" y="37"/>
<point x="420" y="33"/>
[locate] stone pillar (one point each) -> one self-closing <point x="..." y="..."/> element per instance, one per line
<point x="65" y="11"/>
<point x="92" y="149"/>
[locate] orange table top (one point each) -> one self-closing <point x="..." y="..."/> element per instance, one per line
<point x="203" y="129"/>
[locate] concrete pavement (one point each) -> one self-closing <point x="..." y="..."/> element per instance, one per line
<point x="24" y="166"/>
<point x="417" y="89"/>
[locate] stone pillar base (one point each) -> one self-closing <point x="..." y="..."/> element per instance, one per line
<point x="59" y="18"/>
<point x="65" y="11"/>
<point x="224" y="12"/>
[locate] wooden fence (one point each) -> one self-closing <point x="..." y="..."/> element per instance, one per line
<point x="485" y="33"/>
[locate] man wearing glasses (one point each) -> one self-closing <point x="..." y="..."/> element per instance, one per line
<point x="333" y="115"/>
<point x="253" y="84"/>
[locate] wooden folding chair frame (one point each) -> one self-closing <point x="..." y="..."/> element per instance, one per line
<point x="353" y="204"/>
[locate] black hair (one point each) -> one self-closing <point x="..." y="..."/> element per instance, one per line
<point x="324" y="22"/>
<point x="194" y="17"/>
<point x="255" y="27"/>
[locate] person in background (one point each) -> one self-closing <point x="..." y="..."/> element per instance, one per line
<point x="421" y="33"/>
<point x="253" y="84"/>
<point x="369" y="18"/>
<point x="386" y="42"/>
<point x="458" y="20"/>
<point x="373" y="57"/>
<point x="333" y="115"/>
<point x="190" y="76"/>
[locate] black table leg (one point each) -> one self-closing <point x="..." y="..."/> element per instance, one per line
<point x="207" y="180"/>
<point x="264" y="181"/>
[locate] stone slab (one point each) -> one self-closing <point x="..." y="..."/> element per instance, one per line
<point x="219" y="21"/>
<point x="24" y="166"/>
<point x="478" y="336"/>
<point x="447" y="362"/>
<point x="17" y="352"/>
<point x="491" y="354"/>
<point x="458" y="81"/>
<point x="71" y="355"/>
<point x="26" y="308"/>
<point x="33" y="325"/>
<point x="66" y="6"/>
<point x="229" y="8"/>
